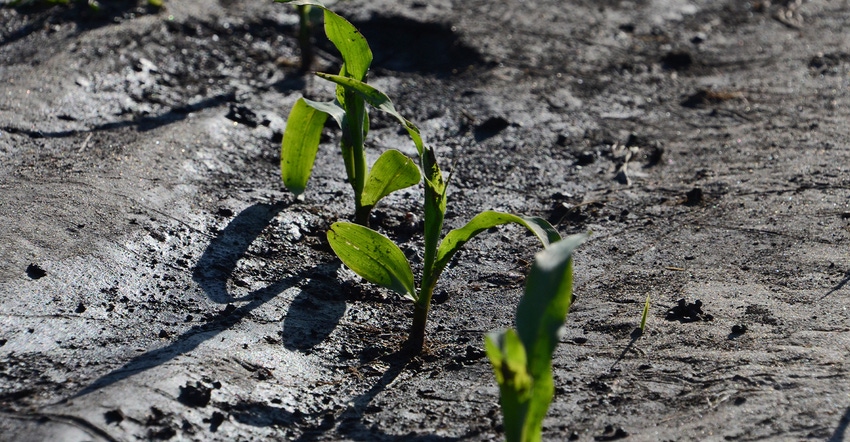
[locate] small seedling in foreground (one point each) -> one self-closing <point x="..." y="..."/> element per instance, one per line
<point x="522" y="358"/>
<point x="392" y="170"/>
<point x="645" y="314"/>
<point x="377" y="259"/>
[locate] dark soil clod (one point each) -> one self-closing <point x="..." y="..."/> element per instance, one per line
<point x="585" y="158"/>
<point x="242" y="115"/>
<point x="490" y="128"/>
<point x="685" y="312"/>
<point x="739" y="329"/>
<point x="694" y="197"/>
<point x="612" y="434"/>
<point x="113" y="416"/>
<point x="195" y="396"/>
<point x="216" y="420"/>
<point x="35" y="272"/>
<point x="677" y="61"/>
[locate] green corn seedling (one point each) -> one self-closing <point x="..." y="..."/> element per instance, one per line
<point x="644" y="314"/>
<point x="522" y="358"/>
<point x="377" y="259"/>
<point x="392" y="170"/>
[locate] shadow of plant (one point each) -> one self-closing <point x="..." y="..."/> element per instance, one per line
<point x="214" y="268"/>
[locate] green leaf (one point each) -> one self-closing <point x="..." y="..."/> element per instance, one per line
<point x="543" y="308"/>
<point x="300" y="144"/>
<point x="644" y="314"/>
<point x="507" y="355"/>
<point x="331" y="108"/>
<point x="356" y="55"/>
<point x="392" y="171"/>
<point x="455" y="239"/>
<point x="379" y="100"/>
<point x="372" y="256"/>
<point x="350" y="43"/>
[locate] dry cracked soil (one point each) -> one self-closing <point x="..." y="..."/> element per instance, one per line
<point x="157" y="282"/>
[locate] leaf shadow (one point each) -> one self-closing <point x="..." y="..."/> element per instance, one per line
<point x="350" y="423"/>
<point x="838" y="286"/>
<point x="215" y="266"/>
<point x="316" y="310"/>
<point x="841" y="430"/>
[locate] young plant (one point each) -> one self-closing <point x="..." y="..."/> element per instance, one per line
<point x="644" y="314"/>
<point x="377" y="259"/>
<point x="522" y="358"/>
<point x="392" y="170"/>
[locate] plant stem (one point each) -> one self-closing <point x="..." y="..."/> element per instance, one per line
<point x="305" y="30"/>
<point x="361" y="214"/>
<point x="416" y="339"/>
<point x="353" y="152"/>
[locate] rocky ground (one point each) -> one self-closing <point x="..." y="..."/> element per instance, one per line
<point x="157" y="281"/>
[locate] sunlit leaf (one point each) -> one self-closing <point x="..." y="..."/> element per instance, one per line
<point x="392" y="171"/>
<point x="300" y="144"/>
<point x="331" y="108"/>
<point x="455" y="239"/>
<point x="350" y="43"/>
<point x="372" y="256"/>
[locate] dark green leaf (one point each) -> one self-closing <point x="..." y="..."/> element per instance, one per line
<point x="372" y="256"/>
<point x="392" y="171"/>
<point x="543" y="308"/>
<point x="507" y="356"/>
<point x="300" y="144"/>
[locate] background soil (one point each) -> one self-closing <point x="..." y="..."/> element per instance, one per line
<point x="158" y="282"/>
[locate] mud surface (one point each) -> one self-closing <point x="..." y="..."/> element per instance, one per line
<point x="158" y="283"/>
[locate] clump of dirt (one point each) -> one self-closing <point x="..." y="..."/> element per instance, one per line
<point x="685" y="311"/>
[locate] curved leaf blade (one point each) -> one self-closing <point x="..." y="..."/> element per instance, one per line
<point x="543" y="308"/>
<point x="455" y="239"/>
<point x="392" y="171"/>
<point x="350" y="43"/>
<point x="331" y="108"/>
<point x="507" y="355"/>
<point x="372" y="256"/>
<point x="379" y="100"/>
<point x="300" y="145"/>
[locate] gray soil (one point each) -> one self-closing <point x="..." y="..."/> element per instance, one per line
<point x="157" y="282"/>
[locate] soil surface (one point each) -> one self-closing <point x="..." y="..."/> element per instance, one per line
<point x="157" y="282"/>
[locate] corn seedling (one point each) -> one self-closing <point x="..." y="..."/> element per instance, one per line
<point x="377" y="259"/>
<point x="522" y="358"/>
<point x="391" y="171"/>
<point x="644" y="314"/>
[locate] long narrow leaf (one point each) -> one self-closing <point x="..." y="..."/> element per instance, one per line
<point x="455" y="239"/>
<point x="372" y="256"/>
<point x="300" y="144"/>
<point x="543" y="309"/>
<point x="392" y="171"/>
<point x="350" y="43"/>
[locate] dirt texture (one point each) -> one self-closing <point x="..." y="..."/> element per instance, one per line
<point x="157" y="282"/>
